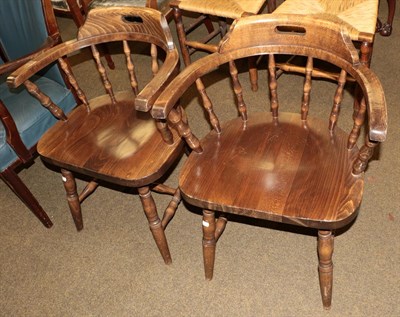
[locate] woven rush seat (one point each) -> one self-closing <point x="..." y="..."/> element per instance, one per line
<point x="224" y="8"/>
<point x="360" y="15"/>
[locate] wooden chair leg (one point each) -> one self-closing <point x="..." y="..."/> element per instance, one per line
<point x="19" y="188"/>
<point x="325" y="267"/>
<point x="209" y="243"/>
<point x="386" y="28"/>
<point x="72" y="198"/>
<point x="366" y="53"/>
<point x="155" y="223"/>
<point x="209" y="25"/>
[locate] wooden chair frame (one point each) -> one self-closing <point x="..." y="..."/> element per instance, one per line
<point x="138" y="171"/>
<point x="321" y="39"/>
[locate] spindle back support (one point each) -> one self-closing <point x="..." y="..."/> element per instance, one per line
<point x="292" y="35"/>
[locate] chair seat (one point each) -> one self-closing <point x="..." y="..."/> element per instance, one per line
<point x="360" y="14"/>
<point x="223" y="8"/>
<point x="110" y="142"/>
<point x="30" y="117"/>
<point x="285" y="170"/>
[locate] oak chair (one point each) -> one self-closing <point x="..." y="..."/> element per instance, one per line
<point x="111" y="138"/>
<point x="26" y="29"/>
<point x="294" y="168"/>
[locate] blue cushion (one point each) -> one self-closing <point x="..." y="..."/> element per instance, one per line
<point x="30" y="117"/>
<point x="23" y="30"/>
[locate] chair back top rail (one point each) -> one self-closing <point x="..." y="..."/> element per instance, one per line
<point x="286" y="34"/>
<point x="113" y="24"/>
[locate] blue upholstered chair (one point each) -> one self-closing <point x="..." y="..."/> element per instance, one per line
<point x="26" y="27"/>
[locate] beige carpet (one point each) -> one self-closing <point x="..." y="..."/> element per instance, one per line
<point x="113" y="268"/>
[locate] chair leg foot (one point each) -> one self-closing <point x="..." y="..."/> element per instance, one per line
<point x="72" y="198"/>
<point x="19" y="188"/>
<point x="325" y="266"/>
<point x="156" y="228"/>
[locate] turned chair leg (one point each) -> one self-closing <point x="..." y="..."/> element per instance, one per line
<point x="156" y="227"/>
<point x="325" y="266"/>
<point x="385" y="29"/>
<point x="19" y="188"/>
<point x="72" y="198"/>
<point x="211" y="232"/>
<point x="209" y="243"/>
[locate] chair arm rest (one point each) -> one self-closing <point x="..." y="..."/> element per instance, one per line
<point x="12" y="135"/>
<point x="376" y="105"/>
<point x="146" y="98"/>
<point x="15" y="64"/>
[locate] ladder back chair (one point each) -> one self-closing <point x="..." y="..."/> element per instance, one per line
<point x="290" y="167"/>
<point x="26" y="29"/>
<point x="109" y="138"/>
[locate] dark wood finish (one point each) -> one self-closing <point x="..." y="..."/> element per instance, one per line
<point x="72" y="198"/>
<point x="294" y="168"/>
<point x="113" y="137"/>
<point x="155" y="225"/>
<point x="11" y="178"/>
<point x="325" y="266"/>
<point x="385" y="29"/>
<point x="25" y="155"/>
<point x="77" y="10"/>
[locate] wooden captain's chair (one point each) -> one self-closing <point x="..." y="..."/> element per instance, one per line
<point x="110" y="138"/>
<point x="287" y="157"/>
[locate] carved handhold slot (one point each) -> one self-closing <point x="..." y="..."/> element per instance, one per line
<point x="45" y="100"/>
